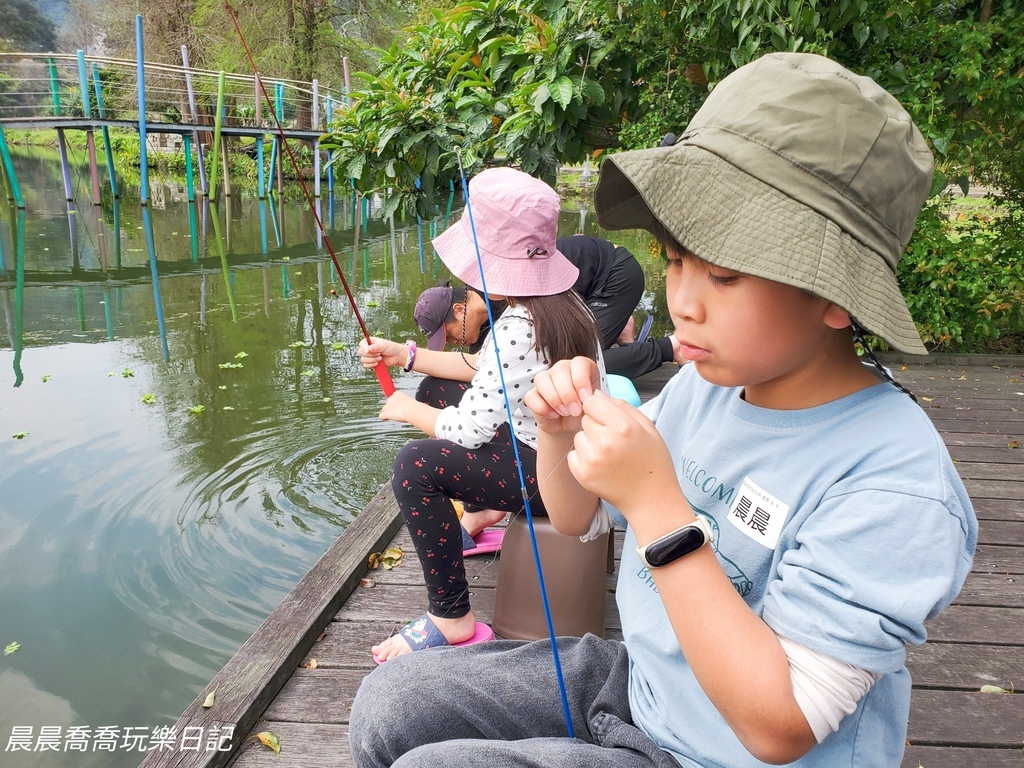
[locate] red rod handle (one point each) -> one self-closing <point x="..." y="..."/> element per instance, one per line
<point x="384" y="379"/>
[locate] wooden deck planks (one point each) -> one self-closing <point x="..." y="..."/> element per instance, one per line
<point x="978" y="641"/>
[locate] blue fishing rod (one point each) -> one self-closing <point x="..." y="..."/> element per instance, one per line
<point x="519" y="464"/>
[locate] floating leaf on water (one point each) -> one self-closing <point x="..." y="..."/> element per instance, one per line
<point x="309" y="372"/>
<point x="995" y="689"/>
<point x="127" y="373"/>
<point x="223" y="386"/>
<point x="371" y="303"/>
<point x="286" y="258"/>
<point x="111" y="374"/>
<point x="297" y="344"/>
<point x="46" y="377"/>
<point x="208" y="701"/>
<point x="197" y="409"/>
<point x="297" y="274"/>
<point x="241" y="355"/>
<point x="19" y="435"/>
<point x="337" y="345"/>
<point x="149" y="398"/>
<point x="327" y="399"/>
<point x="11" y="648"/>
<point x="268" y="739"/>
<point x="228" y="408"/>
<point x="229" y="365"/>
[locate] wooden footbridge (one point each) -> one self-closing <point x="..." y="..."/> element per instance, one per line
<point x="298" y="673"/>
<point x="199" y="108"/>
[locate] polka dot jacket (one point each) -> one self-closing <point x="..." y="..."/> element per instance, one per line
<point x="474" y="420"/>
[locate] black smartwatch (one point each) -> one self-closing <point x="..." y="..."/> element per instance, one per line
<point x="675" y="544"/>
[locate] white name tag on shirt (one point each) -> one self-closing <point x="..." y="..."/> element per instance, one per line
<point x="758" y="514"/>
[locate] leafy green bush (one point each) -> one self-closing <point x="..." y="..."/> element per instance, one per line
<point x="963" y="279"/>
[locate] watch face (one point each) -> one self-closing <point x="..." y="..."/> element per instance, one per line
<point x="683" y="542"/>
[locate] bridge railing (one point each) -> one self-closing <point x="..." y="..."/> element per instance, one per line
<point x="36" y="85"/>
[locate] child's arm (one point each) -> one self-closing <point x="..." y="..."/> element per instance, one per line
<point x="737" y="659"/>
<point x="442" y="365"/>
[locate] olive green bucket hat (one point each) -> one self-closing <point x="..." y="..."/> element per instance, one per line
<point x="795" y="170"/>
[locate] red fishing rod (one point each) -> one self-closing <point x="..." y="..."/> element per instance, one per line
<point x="381" y="370"/>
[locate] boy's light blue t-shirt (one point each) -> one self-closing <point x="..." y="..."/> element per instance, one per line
<point x="843" y="526"/>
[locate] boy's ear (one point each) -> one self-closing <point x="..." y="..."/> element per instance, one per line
<point x="836" y="317"/>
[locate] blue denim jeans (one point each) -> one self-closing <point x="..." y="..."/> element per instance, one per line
<point x="497" y="705"/>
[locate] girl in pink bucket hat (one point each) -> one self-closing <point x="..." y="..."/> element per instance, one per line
<point x="468" y="456"/>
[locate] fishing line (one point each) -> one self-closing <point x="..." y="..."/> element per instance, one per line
<point x="380" y="370"/>
<point x="519" y="463"/>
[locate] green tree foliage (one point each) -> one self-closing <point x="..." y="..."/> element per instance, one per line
<point x="527" y="81"/>
<point x="25" y="28"/>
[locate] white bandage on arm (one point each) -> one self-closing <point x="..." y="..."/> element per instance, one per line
<point x="826" y="689"/>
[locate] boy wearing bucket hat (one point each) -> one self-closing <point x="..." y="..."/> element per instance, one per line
<point x="765" y="492"/>
<point x="469" y="455"/>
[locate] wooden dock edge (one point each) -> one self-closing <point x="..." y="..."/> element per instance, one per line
<point x="251" y="679"/>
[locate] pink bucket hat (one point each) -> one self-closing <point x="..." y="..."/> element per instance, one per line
<point x="516" y="221"/>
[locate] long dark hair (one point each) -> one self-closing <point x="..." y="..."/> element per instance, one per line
<point x="564" y="327"/>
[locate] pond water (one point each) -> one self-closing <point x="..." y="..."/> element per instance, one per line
<point x="184" y="429"/>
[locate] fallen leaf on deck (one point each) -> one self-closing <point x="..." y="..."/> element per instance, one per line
<point x="208" y="701"/>
<point x="268" y="739"/>
<point x="1013" y="444"/>
<point x="387" y="559"/>
<point x="311" y="664"/>
<point x="995" y="689"/>
<point x="367" y="583"/>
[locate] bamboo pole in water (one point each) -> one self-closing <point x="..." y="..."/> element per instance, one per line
<point x="218" y="122"/>
<point x="108" y="148"/>
<point x="90" y="138"/>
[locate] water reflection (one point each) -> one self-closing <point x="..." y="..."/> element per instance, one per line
<point x="197" y="430"/>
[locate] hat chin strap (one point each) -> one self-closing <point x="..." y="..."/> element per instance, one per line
<point x="858" y="334"/>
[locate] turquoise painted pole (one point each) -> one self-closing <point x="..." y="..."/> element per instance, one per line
<point x="8" y="162"/>
<point x="218" y="123"/>
<point x="273" y="165"/>
<point x="62" y="146"/>
<point x="143" y="153"/>
<point x="108" y="148"/>
<point x="90" y="138"/>
<point x="190" y="179"/>
<point x="263" y="227"/>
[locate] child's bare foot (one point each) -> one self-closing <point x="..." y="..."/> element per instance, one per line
<point x="628" y="334"/>
<point x="454" y="630"/>
<point x="474" y="522"/>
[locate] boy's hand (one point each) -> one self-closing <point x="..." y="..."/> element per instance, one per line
<point x="559" y="392"/>
<point x="620" y="456"/>
<point x="391" y="352"/>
